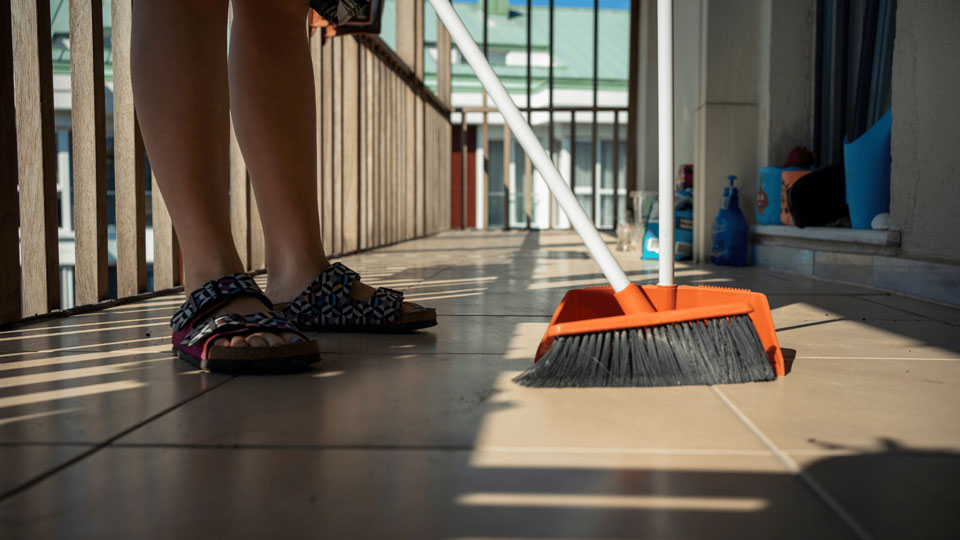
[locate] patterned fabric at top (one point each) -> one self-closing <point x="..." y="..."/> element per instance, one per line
<point x="213" y="294"/>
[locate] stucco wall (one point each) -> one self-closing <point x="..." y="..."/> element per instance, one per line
<point x="925" y="177"/>
<point x="686" y="75"/>
<point x="787" y="59"/>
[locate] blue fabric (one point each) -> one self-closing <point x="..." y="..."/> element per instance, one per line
<point x="866" y="165"/>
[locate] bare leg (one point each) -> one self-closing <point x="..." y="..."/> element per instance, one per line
<point x="180" y="86"/>
<point x="274" y="114"/>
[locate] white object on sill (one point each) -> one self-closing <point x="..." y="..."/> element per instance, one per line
<point x="880" y="222"/>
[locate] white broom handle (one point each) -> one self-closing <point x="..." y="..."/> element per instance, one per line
<point x="531" y="145"/>
<point x="665" y="136"/>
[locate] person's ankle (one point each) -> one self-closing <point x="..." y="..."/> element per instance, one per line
<point x="284" y="285"/>
<point x="194" y="278"/>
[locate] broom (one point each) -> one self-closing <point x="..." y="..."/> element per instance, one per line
<point x="625" y="335"/>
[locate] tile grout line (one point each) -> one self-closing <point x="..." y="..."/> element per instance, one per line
<point x="83" y="455"/>
<point x="792" y="466"/>
<point x="435" y="448"/>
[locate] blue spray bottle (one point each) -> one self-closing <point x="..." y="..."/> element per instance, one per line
<point x="730" y="230"/>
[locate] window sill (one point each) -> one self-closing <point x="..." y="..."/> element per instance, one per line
<point x="857" y="239"/>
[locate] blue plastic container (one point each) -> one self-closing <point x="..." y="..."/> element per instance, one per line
<point x="730" y="230"/>
<point x="682" y="231"/>
<point x="866" y="166"/>
<point x="768" y="195"/>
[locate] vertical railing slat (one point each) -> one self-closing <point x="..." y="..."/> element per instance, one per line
<point x="36" y="156"/>
<point x="258" y="255"/>
<point x="443" y="63"/>
<point x="128" y="162"/>
<point x="89" y="149"/>
<point x="316" y="57"/>
<point x="9" y="207"/>
<point x="615" y="166"/>
<point x="410" y="208"/>
<point x="239" y="191"/>
<point x="376" y="135"/>
<point x="368" y="146"/>
<point x="166" y="249"/>
<point x="326" y="145"/>
<point x="382" y="148"/>
<point x="337" y="159"/>
<point x="506" y="176"/>
<point x="484" y="218"/>
<point x="447" y="164"/>
<point x="239" y="201"/>
<point x="391" y="200"/>
<point x="362" y="156"/>
<point x="350" y="147"/>
<point x="444" y="92"/>
<point x="419" y="141"/>
<point x="464" y="184"/>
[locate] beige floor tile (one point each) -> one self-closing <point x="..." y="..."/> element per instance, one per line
<point x="22" y="463"/>
<point x="510" y="337"/>
<point x="923" y="308"/>
<point x="856" y="405"/>
<point x="869" y="339"/>
<point x="765" y="281"/>
<point x="90" y="395"/>
<point x="199" y="493"/>
<point x="901" y="492"/>
<point x="546" y="277"/>
<point x="460" y="401"/>
<point x="793" y="307"/>
<point x="20" y="341"/>
<point x="476" y="300"/>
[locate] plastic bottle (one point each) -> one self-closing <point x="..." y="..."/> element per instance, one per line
<point x="730" y="230"/>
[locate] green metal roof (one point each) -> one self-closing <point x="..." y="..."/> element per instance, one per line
<point x="573" y="45"/>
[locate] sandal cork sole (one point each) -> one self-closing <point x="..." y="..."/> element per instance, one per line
<point x="287" y="358"/>
<point x="409" y="322"/>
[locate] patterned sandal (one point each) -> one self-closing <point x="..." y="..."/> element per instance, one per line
<point x="326" y="306"/>
<point x="194" y="332"/>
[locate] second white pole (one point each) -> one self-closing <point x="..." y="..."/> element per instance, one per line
<point x="665" y="137"/>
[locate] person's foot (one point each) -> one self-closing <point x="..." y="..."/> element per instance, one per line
<point x="363" y="292"/>
<point x="246" y="305"/>
<point x="282" y="291"/>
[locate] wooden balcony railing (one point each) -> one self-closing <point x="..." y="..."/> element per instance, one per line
<point x="384" y="156"/>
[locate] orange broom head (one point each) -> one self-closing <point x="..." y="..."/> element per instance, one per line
<point x="595" y="309"/>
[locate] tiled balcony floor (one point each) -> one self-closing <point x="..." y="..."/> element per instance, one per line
<point x="103" y="434"/>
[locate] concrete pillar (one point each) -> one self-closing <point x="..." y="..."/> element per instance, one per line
<point x="926" y="112"/>
<point x="646" y="124"/>
<point x="727" y="112"/>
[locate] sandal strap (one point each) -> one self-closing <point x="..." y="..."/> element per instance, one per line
<point x="214" y="294"/>
<point x="230" y="323"/>
<point x="327" y="301"/>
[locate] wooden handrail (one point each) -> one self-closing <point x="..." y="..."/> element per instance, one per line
<point x="383" y="161"/>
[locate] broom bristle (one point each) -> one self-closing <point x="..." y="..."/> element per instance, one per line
<point x="711" y="351"/>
